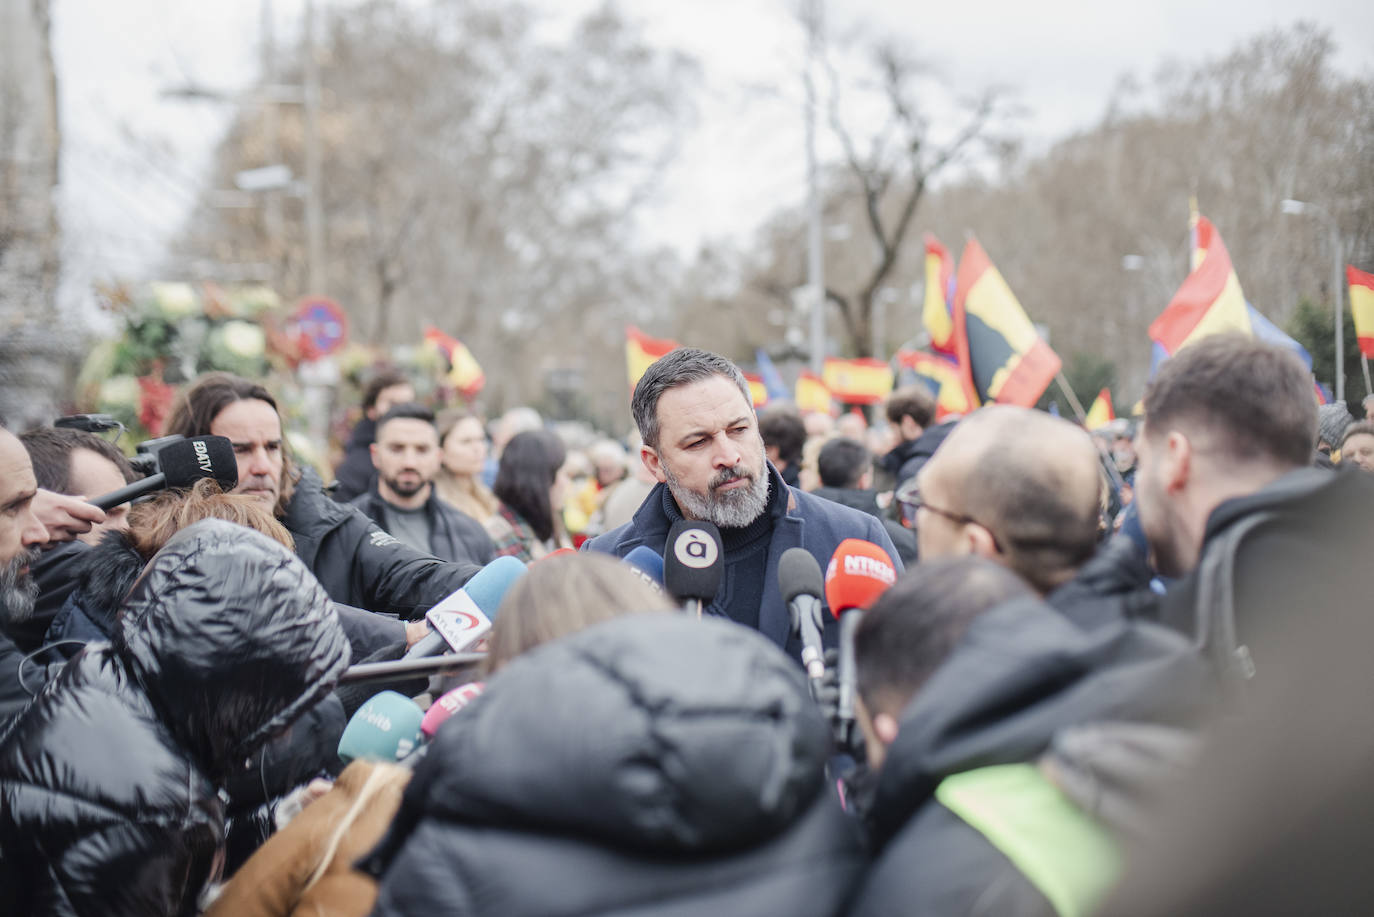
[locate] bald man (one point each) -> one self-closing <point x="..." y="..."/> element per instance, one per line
<point x="1018" y="486"/>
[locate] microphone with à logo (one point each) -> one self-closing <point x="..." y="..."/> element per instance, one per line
<point x="693" y="563"/>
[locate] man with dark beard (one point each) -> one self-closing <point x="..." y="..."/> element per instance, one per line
<point x="21" y="533"/>
<point x="701" y="443"/>
<point x="403" y="502"/>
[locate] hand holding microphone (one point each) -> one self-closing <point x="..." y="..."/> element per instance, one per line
<point x="464" y="617"/>
<point x="180" y="464"/>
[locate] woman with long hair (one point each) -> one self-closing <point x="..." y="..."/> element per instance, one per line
<point x="464" y="446"/>
<point x="531" y="485"/>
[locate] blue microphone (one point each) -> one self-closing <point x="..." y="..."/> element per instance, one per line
<point x="647" y="564"/>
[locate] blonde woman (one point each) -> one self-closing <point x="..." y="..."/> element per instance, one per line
<point x="464" y="445"/>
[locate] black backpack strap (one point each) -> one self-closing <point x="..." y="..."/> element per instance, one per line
<point x="1217" y="636"/>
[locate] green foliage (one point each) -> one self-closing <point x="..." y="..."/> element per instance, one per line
<point x="1312" y="327"/>
<point x="1087" y="374"/>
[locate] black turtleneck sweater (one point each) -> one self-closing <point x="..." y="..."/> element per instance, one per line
<point x="746" y="560"/>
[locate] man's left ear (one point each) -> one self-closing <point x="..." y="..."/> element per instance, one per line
<point x="980" y="541"/>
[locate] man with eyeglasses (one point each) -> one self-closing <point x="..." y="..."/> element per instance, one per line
<point x="1020" y="487"/>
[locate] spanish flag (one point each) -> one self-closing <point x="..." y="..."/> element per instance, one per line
<point x="1362" y="304"/>
<point x="860" y="381"/>
<point x="1210" y="300"/>
<point x="1009" y="361"/>
<point x="1101" y="411"/>
<point x="758" y="392"/>
<point x="952" y="390"/>
<point x="812" y="395"/>
<point x="641" y="351"/>
<point x="936" y="314"/>
<point x="465" y="373"/>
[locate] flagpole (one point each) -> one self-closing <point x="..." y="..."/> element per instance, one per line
<point x="1068" y="393"/>
<point x="1364" y="364"/>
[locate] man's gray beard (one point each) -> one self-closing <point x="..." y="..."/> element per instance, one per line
<point x="731" y="509"/>
<point x="18" y="593"/>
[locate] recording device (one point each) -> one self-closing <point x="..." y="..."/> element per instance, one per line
<point x="799" y="579"/>
<point x="858" y="572"/>
<point x="449" y="704"/>
<point x="89" y="423"/>
<point x="180" y="463"/>
<point x="693" y="563"/>
<point x="647" y="565"/>
<point x="386" y="728"/>
<point x="463" y="618"/>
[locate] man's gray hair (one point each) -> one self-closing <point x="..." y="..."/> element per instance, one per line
<point x="680" y="367"/>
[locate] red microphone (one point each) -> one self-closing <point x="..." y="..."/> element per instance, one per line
<point x="858" y="573"/>
<point x="448" y="705"/>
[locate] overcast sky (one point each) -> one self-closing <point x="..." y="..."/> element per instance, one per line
<point x="132" y="160"/>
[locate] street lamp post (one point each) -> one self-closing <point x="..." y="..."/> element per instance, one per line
<point x="1294" y="208"/>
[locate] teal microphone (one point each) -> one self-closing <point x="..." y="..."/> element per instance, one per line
<point x="386" y="728"/>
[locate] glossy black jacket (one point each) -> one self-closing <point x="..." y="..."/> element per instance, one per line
<point x="109" y="782"/>
<point x="654" y="764"/>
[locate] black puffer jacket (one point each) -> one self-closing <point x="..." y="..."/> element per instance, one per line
<point x="654" y="764"/>
<point x="109" y="782"/>
<point x="359" y="564"/>
<point x="1020" y="675"/>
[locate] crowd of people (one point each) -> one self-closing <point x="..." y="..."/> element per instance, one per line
<point x="1115" y="672"/>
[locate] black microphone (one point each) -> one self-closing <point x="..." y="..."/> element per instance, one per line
<point x="693" y="563"/>
<point x="181" y="464"/>
<point x="799" y="578"/>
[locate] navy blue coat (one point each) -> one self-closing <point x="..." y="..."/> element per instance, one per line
<point x="812" y="523"/>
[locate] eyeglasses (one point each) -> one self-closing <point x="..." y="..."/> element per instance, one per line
<point x="910" y="500"/>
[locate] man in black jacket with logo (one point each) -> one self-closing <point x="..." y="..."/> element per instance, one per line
<point x="355" y="560"/>
<point x="407" y="456"/>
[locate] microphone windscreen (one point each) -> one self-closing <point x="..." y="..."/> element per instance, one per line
<point x="799" y="574"/>
<point x="188" y="460"/>
<point x="858" y="573"/>
<point x="693" y="560"/>
<point x="648" y="562"/>
<point x="447" y="705"/>
<point x="386" y="728"/>
<point x="489" y="585"/>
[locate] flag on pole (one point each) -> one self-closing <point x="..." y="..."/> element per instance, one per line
<point x="1362" y="305"/>
<point x="1210" y="300"/>
<point x="1101" y="411"/>
<point x="812" y="395"/>
<point x="937" y="312"/>
<point x="1008" y="360"/>
<point x="641" y="351"/>
<point x="758" y="392"/>
<point x="465" y="373"/>
<point x="951" y="388"/>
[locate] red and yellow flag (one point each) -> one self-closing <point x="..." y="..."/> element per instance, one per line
<point x="1010" y="363"/>
<point x="860" y="381"/>
<point x="812" y="395"/>
<point x="1209" y="301"/>
<point x="952" y="390"/>
<point x="936" y="313"/>
<point x="641" y="351"/>
<point x="1101" y="411"/>
<point x="1362" y="305"/>
<point x="758" y="391"/>
<point x="465" y="373"/>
